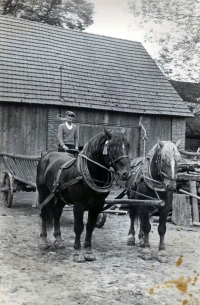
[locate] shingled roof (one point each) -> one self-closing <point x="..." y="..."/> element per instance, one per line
<point x="98" y="72"/>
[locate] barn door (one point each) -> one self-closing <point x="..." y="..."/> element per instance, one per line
<point x="23" y="129"/>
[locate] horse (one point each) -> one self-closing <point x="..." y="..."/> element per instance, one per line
<point x="83" y="182"/>
<point x="153" y="176"/>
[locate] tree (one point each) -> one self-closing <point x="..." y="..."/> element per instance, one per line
<point x="174" y="27"/>
<point x="73" y="14"/>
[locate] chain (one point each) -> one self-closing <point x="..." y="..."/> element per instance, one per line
<point x="148" y="197"/>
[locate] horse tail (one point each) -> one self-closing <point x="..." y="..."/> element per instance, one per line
<point x="47" y="214"/>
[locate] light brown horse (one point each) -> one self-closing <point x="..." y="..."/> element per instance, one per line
<point x="154" y="177"/>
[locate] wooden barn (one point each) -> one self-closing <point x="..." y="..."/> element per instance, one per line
<point x="190" y="93"/>
<point x="46" y="70"/>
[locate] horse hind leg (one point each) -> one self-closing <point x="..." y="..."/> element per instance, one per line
<point x="57" y="232"/>
<point x="47" y="220"/>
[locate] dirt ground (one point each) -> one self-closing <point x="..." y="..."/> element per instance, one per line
<point x="119" y="275"/>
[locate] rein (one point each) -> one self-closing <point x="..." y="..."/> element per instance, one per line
<point x="84" y="156"/>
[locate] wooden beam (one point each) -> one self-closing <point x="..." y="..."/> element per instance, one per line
<point x="136" y="202"/>
<point x="195" y="209"/>
<point x="190" y="194"/>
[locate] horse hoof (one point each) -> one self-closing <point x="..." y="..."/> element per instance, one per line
<point x="146" y="254"/>
<point x="89" y="256"/>
<point x="162" y="258"/>
<point x="43" y="245"/>
<point x="131" y="240"/>
<point x="59" y="244"/>
<point x="78" y="257"/>
<point x="142" y="245"/>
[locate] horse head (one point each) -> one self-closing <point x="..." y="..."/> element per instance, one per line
<point x="167" y="163"/>
<point x="116" y="153"/>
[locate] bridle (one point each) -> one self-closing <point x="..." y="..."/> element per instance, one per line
<point x="112" y="162"/>
<point x="161" y="173"/>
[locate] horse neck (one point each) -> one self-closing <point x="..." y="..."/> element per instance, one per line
<point x="95" y="155"/>
<point x="155" y="167"/>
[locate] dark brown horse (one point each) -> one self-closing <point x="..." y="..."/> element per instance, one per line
<point x="153" y="178"/>
<point x="84" y="182"/>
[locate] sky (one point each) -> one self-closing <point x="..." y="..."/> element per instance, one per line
<point x="112" y="18"/>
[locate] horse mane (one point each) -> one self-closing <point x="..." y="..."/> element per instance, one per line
<point x="96" y="145"/>
<point x="167" y="150"/>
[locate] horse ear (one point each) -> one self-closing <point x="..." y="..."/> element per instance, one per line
<point x="178" y="143"/>
<point x="161" y="144"/>
<point x="108" y="133"/>
<point x="123" y="131"/>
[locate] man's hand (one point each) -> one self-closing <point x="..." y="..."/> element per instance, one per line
<point x="65" y="147"/>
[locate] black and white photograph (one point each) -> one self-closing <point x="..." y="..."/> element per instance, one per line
<point x="99" y="152"/>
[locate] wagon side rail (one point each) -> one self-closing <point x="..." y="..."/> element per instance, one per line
<point x="22" y="168"/>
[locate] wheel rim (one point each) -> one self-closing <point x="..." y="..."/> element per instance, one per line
<point x="8" y="194"/>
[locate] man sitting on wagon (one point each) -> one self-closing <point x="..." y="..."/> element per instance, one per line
<point x="67" y="133"/>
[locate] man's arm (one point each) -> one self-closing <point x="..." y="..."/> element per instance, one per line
<point x="60" y="135"/>
<point x="76" y="137"/>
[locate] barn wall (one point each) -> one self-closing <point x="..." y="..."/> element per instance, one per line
<point x="27" y="129"/>
<point x="91" y="122"/>
<point x="22" y="128"/>
<point x="179" y="130"/>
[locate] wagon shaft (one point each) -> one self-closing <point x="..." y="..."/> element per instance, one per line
<point x="158" y="203"/>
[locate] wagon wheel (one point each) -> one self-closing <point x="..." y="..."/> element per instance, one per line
<point x="8" y="189"/>
<point x="101" y="219"/>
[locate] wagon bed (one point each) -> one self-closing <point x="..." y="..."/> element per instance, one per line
<point x="19" y="174"/>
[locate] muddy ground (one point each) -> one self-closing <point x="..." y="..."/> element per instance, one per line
<point x="119" y="275"/>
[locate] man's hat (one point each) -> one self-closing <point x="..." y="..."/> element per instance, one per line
<point x="70" y="113"/>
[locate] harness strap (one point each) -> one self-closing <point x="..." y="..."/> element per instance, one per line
<point x="117" y="159"/>
<point x="69" y="183"/>
<point x="56" y="182"/>
<point x="46" y="200"/>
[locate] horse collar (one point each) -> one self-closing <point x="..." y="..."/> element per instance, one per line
<point x="150" y="182"/>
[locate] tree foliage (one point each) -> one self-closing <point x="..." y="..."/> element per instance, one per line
<point x="173" y="26"/>
<point x="73" y="14"/>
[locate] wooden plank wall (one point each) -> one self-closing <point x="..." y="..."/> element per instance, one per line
<point x="91" y="122"/>
<point x="160" y="129"/>
<point x="23" y="128"/>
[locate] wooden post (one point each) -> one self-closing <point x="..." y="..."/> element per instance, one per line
<point x="195" y="210"/>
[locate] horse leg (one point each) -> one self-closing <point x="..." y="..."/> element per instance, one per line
<point x="91" y="222"/>
<point x="145" y="228"/>
<point x="141" y="236"/>
<point x="57" y="233"/>
<point x="42" y="244"/>
<point x="162" y="227"/>
<point x="131" y="233"/>
<point x="78" y="229"/>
